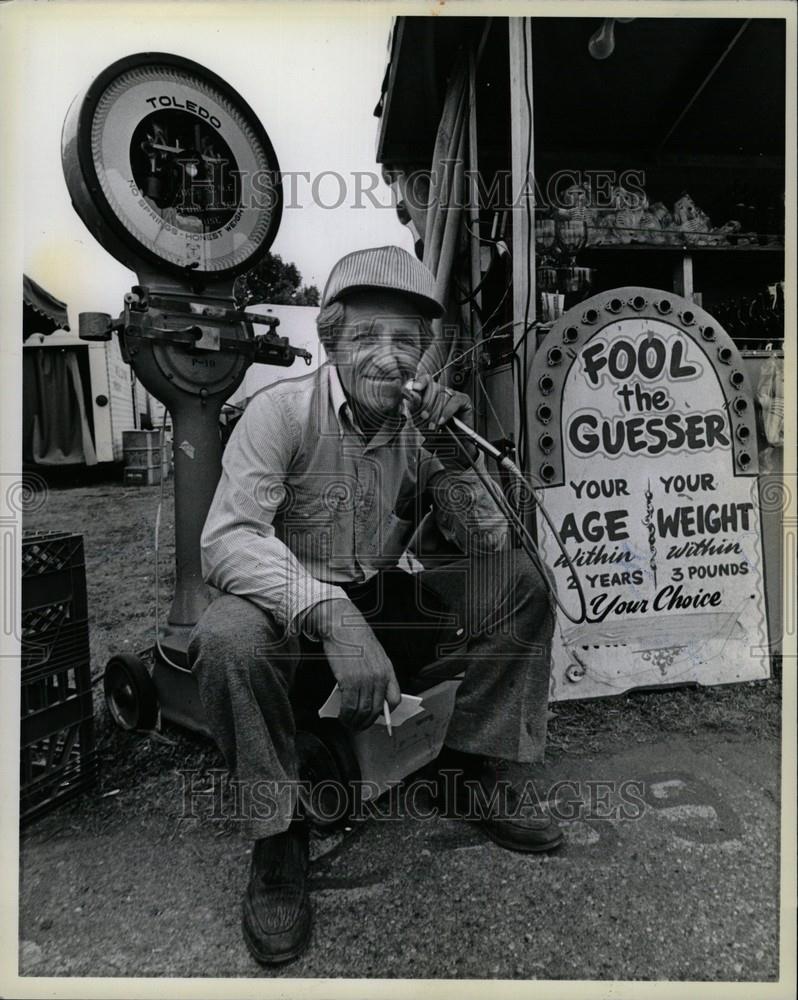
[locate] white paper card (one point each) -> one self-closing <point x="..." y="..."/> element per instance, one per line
<point x="409" y="706"/>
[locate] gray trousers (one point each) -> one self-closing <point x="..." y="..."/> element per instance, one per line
<point x="490" y="617"/>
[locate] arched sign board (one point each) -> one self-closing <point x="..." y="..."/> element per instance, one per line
<point x="643" y="444"/>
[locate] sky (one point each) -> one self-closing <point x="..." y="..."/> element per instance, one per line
<point x="312" y="80"/>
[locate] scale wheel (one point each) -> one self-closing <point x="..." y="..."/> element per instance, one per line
<point x="130" y="692"/>
<point x="328" y="764"/>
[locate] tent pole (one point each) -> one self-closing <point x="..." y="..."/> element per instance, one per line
<point x="523" y="203"/>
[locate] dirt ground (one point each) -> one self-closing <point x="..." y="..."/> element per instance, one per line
<point x="115" y="883"/>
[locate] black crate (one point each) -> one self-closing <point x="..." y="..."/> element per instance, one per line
<point x="57" y="768"/>
<point x="54" y="612"/>
<point x="53" y="570"/>
<point x="57" y="755"/>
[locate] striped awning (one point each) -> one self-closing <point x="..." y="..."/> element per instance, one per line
<point x="42" y="312"/>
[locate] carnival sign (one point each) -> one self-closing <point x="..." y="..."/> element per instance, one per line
<point x="644" y="456"/>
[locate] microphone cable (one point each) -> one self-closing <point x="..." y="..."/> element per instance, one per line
<point x="528" y="543"/>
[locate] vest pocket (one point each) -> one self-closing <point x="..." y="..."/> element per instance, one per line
<point x="309" y="525"/>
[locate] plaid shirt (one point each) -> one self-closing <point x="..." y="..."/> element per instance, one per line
<point x="305" y="503"/>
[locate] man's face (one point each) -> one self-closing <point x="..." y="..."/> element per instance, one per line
<point x="378" y="350"/>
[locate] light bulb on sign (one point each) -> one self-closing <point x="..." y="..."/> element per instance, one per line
<point x="602" y="42"/>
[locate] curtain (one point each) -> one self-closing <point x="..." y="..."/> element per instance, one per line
<point x="434" y="207"/>
<point x="57" y="430"/>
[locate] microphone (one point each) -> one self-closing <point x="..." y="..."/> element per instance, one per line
<point x="412" y="396"/>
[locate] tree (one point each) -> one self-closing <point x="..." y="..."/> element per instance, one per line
<point x="276" y="282"/>
<point x="308" y="295"/>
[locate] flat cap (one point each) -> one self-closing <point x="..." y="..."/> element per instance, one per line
<point x="383" y="267"/>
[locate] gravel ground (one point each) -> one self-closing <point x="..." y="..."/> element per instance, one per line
<point x="116" y="884"/>
<point x="684" y="888"/>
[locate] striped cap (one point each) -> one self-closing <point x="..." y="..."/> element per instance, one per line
<point x="383" y="267"/>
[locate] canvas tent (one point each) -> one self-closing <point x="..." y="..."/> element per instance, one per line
<point x="78" y="397"/>
<point x="57" y="429"/>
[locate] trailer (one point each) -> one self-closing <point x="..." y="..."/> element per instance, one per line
<point x="80" y="397"/>
<point x="88" y="396"/>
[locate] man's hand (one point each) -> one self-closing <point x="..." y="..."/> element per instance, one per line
<point x="432" y="406"/>
<point x="361" y="666"/>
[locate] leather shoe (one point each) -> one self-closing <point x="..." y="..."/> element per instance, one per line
<point x="276" y="918"/>
<point x="500" y="795"/>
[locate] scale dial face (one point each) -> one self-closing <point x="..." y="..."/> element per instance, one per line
<point x="178" y="166"/>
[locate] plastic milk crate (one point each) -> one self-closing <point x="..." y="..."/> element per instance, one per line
<point x="57" y="755"/>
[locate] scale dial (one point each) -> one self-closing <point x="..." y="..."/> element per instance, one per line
<point x="167" y="164"/>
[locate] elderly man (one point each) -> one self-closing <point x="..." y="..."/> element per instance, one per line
<point x="325" y="480"/>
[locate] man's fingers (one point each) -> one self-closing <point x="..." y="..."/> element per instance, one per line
<point x="432" y="409"/>
<point x="385" y="689"/>
<point x="447" y="405"/>
<point x="393" y="695"/>
<point x="377" y="700"/>
<point x="361" y="705"/>
<point x="414" y="399"/>
<point x="349" y="704"/>
<point x="425" y="399"/>
<point x="438" y="409"/>
<point x="364" y="702"/>
<point x="452" y="406"/>
<point x="434" y="403"/>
